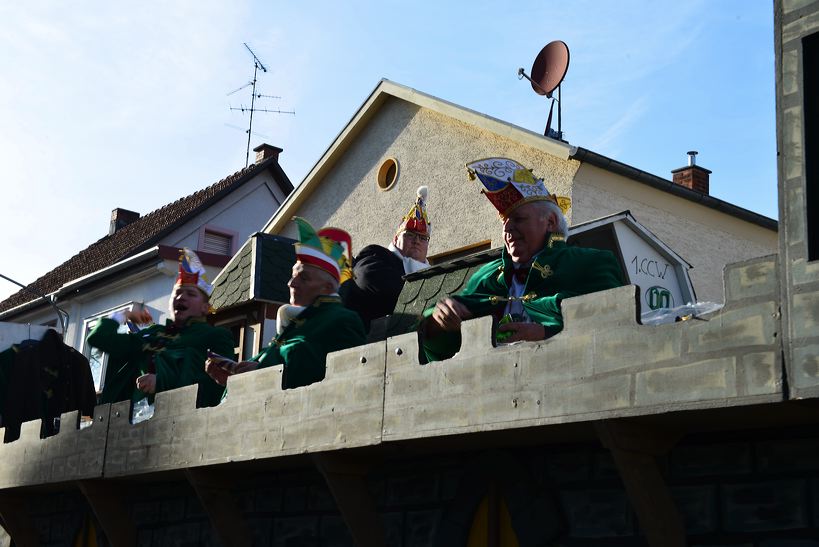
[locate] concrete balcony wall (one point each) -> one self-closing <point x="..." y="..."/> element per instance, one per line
<point x="603" y="365"/>
<point x="257" y="420"/>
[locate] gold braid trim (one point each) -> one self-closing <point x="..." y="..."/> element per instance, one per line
<point x="525" y="298"/>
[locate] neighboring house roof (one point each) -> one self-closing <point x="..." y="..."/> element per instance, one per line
<point x="387" y="89"/>
<point x="258" y="272"/>
<point x="143" y="233"/>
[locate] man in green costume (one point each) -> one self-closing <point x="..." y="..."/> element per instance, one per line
<point x="524" y="288"/>
<point x="316" y="322"/>
<point x="163" y="357"/>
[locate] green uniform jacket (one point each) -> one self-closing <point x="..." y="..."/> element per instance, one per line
<point x="178" y="357"/>
<point x="558" y="271"/>
<point x="324" y="327"/>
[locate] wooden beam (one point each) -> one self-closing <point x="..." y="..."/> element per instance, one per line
<point x="634" y="448"/>
<point x="17" y="522"/>
<point x="215" y="492"/>
<point x="347" y="479"/>
<point x="105" y="499"/>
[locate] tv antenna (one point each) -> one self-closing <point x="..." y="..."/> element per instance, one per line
<point x="257" y="65"/>
<point x="548" y="71"/>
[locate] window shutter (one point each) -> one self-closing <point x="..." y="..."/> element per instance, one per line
<point x="215" y="243"/>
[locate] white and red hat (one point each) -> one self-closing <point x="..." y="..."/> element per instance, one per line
<point x="329" y="249"/>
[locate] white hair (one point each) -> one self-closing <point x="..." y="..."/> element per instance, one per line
<point x="328" y="278"/>
<point x="552" y="207"/>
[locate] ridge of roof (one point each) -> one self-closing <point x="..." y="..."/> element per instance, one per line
<point x="135" y="237"/>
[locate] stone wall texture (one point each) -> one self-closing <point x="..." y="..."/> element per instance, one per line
<point x="800" y="287"/>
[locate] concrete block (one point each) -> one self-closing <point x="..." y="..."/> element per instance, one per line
<point x="804" y="272"/>
<point x="614" y="307"/>
<point x="793" y="5"/>
<point x="759" y="373"/>
<point x="788" y="455"/>
<point x="772" y="505"/>
<point x="334" y="532"/>
<point x="408" y="489"/>
<point x="594" y="395"/>
<point x="805" y="315"/>
<point x="754" y="325"/>
<point x="618" y="350"/>
<point x="698" y="508"/>
<point x="701" y="381"/>
<point x="793" y="146"/>
<point x="790" y="71"/>
<point x="301" y="530"/>
<point x="419" y="528"/>
<point x="568" y="467"/>
<point x="752" y="278"/>
<point x="597" y="513"/>
<point x="804" y="370"/>
<point x="690" y="461"/>
<point x="800" y="27"/>
<point x="559" y="359"/>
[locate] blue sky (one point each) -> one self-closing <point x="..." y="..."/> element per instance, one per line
<point x="109" y="105"/>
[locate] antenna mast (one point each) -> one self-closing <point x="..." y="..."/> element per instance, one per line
<point x="257" y="64"/>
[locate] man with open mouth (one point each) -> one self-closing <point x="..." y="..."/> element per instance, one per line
<point x="163" y="357"/>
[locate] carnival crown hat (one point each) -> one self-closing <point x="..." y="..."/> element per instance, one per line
<point x="416" y="219"/>
<point x="329" y="248"/>
<point x="508" y="185"/>
<point x="191" y="272"/>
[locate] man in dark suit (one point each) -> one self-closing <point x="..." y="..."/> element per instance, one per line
<point x="378" y="272"/>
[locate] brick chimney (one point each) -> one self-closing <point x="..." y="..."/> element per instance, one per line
<point x="264" y="151"/>
<point x="121" y="218"/>
<point x="693" y="176"/>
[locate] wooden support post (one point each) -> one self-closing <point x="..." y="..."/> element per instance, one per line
<point x="215" y="493"/>
<point x="17" y="522"/>
<point x="105" y="499"/>
<point x="634" y="448"/>
<point x="347" y="482"/>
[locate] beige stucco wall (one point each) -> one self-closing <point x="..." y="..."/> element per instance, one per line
<point x="704" y="237"/>
<point x="431" y="149"/>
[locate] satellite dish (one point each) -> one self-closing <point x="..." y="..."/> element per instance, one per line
<point x="548" y="71"/>
<point x="550" y="67"/>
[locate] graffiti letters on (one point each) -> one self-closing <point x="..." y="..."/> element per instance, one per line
<point x="650" y="267"/>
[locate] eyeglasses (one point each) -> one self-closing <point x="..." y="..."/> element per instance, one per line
<point x="415" y="236"/>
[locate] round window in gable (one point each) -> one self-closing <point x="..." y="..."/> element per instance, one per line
<point x="388" y="174"/>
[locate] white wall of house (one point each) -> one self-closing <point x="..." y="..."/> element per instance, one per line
<point x="242" y="212"/>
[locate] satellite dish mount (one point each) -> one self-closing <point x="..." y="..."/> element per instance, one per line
<point x="548" y="71"/>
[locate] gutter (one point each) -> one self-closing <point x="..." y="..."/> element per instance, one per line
<point x="598" y="160"/>
<point x="75" y="285"/>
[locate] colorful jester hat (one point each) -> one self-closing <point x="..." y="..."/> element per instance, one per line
<point x="508" y="185"/>
<point x="416" y="219"/>
<point x="329" y="248"/>
<point x="191" y="272"/>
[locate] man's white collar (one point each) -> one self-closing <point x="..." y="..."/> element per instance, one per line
<point x="410" y="264"/>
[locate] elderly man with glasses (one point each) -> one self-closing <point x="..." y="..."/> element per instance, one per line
<point x="378" y="272"/>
